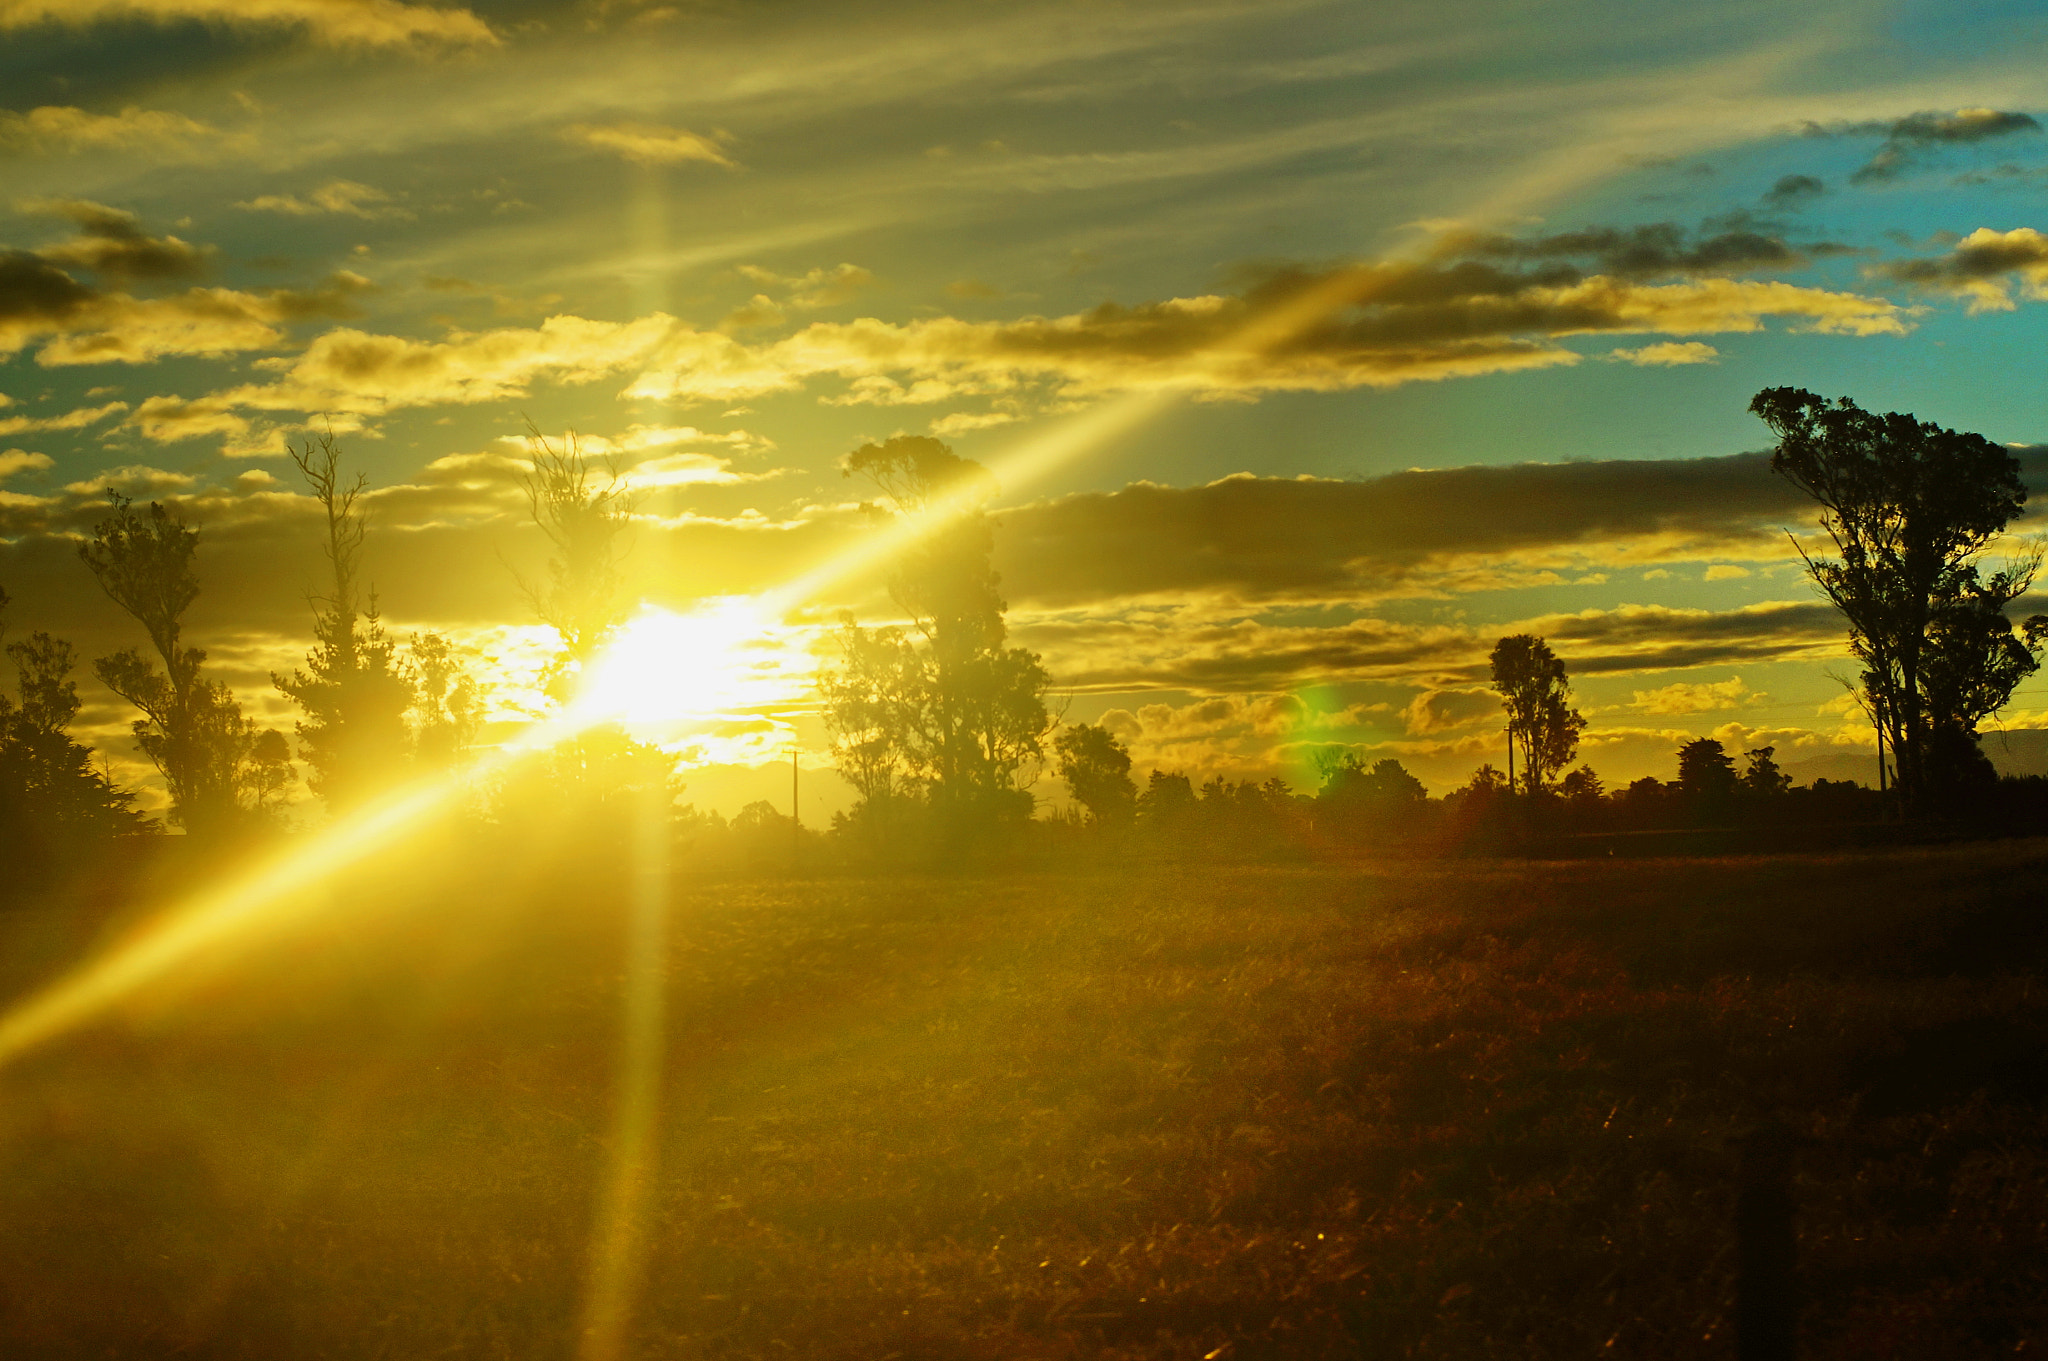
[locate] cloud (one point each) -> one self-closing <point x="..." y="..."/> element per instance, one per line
<point x="358" y="23"/>
<point x="70" y="420"/>
<point x="1378" y="325"/>
<point x="1725" y="571"/>
<point x="112" y="244"/>
<point x="1292" y="330"/>
<point x="1435" y="711"/>
<point x="1906" y="140"/>
<point x="1982" y="268"/>
<point x="818" y="288"/>
<point x="359" y="373"/>
<point x="14" y="461"/>
<point x="1653" y="250"/>
<point x="53" y="128"/>
<point x="1791" y="191"/>
<point x="1668" y="355"/>
<point x="1703" y="698"/>
<point x="348" y="198"/>
<point x="651" y="143"/>
<point x="41" y="301"/>
<point x="1423" y="532"/>
<point x="1188" y="650"/>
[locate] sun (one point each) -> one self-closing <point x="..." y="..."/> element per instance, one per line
<point x="663" y="672"/>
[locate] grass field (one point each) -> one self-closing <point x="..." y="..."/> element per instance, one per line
<point x="1433" y="1110"/>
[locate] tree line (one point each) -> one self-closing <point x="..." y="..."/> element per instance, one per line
<point x="940" y="725"/>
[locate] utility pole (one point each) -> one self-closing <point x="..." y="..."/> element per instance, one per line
<point x="796" y="820"/>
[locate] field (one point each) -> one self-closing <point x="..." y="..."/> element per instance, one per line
<point x="1457" y="1110"/>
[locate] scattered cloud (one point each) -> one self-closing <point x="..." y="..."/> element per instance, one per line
<point x="1982" y="268"/>
<point x="70" y="420"/>
<point x="348" y="198"/>
<point x="14" y="461"/>
<point x="1908" y="139"/>
<point x="54" y="128"/>
<point x="1436" y="711"/>
<point x="1793" y="191"/>
<point x="1725" y="571"/>
<point x="359" y="24"/>
<point x="818" y="288"/>
<point x="1653" y="250"/>
<point x="1702" y="698"/>
<point x="651" y="143"/>
<point x="112" y="244"/>
<point x="1668" y="355"/>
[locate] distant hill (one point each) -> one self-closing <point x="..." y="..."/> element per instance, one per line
<point x="2018" y="751"/>
<point x="2014" y="751"/>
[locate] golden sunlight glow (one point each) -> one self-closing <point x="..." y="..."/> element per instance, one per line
<point x="663" y="671"/>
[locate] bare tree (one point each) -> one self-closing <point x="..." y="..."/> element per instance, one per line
<point x="583" y="511"/>
<point x="353" y="690"/>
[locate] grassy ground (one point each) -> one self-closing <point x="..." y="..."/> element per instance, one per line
<point x="1434" y="1110"/>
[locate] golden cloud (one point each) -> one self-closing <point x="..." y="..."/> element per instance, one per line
<point x="650" y="143"/>
<point x="348" y="198"/>
<point x="58" y="127"/>
<point x="1982" y="269"/>
<point x="350" y="23"/>
<point x="1702" y="698"/>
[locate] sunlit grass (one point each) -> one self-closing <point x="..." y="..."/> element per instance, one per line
<point x="1448" y="1111"/>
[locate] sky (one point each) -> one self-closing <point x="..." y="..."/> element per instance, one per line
<point x="1314" y="345"/>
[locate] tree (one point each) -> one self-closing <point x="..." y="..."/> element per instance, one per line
<point x="941" y="709"/>
<point x="1761" y="777"/>
<point x="49" y="787"/>
<point x="1910" y="507"/>
<point x="1097" y="769"/>
<point x="192" y="728"/>
<point x="353" y="691"/>
<point x="447" y="702"/>
<point x="1706" y="775"/>
<point x="582" y="522"/>
<point x="1531" y="681"/>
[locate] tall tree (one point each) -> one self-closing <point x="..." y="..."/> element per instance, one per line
<point x="944" y="706"/>
<point x="353" y="690"/>
<point x="1542" y="725"/>
<point x="583" y="510"/>
<point x="1911" y="507"/>
<point x="192" y="728"/>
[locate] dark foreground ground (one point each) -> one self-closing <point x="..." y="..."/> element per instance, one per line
<point x="1470" y="1110"/>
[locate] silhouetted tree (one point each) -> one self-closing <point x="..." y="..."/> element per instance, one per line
<point x="582" y="511"/>
<point x="1761" y="778"/>
<point x="1706" y="776"/>
<point x="447" y="701"/>
<point x="1168" y="803"/>
<point x="1097" y="769"/>
<point x="192" y="728"/>
<point x="1910" y="506"/>
<point x="354" y="691"/>
<point x="1541" y="722"/>
<point x="944" y="709"/>
<point x="50" y="790"/>
<point x="1582" y="786"/>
